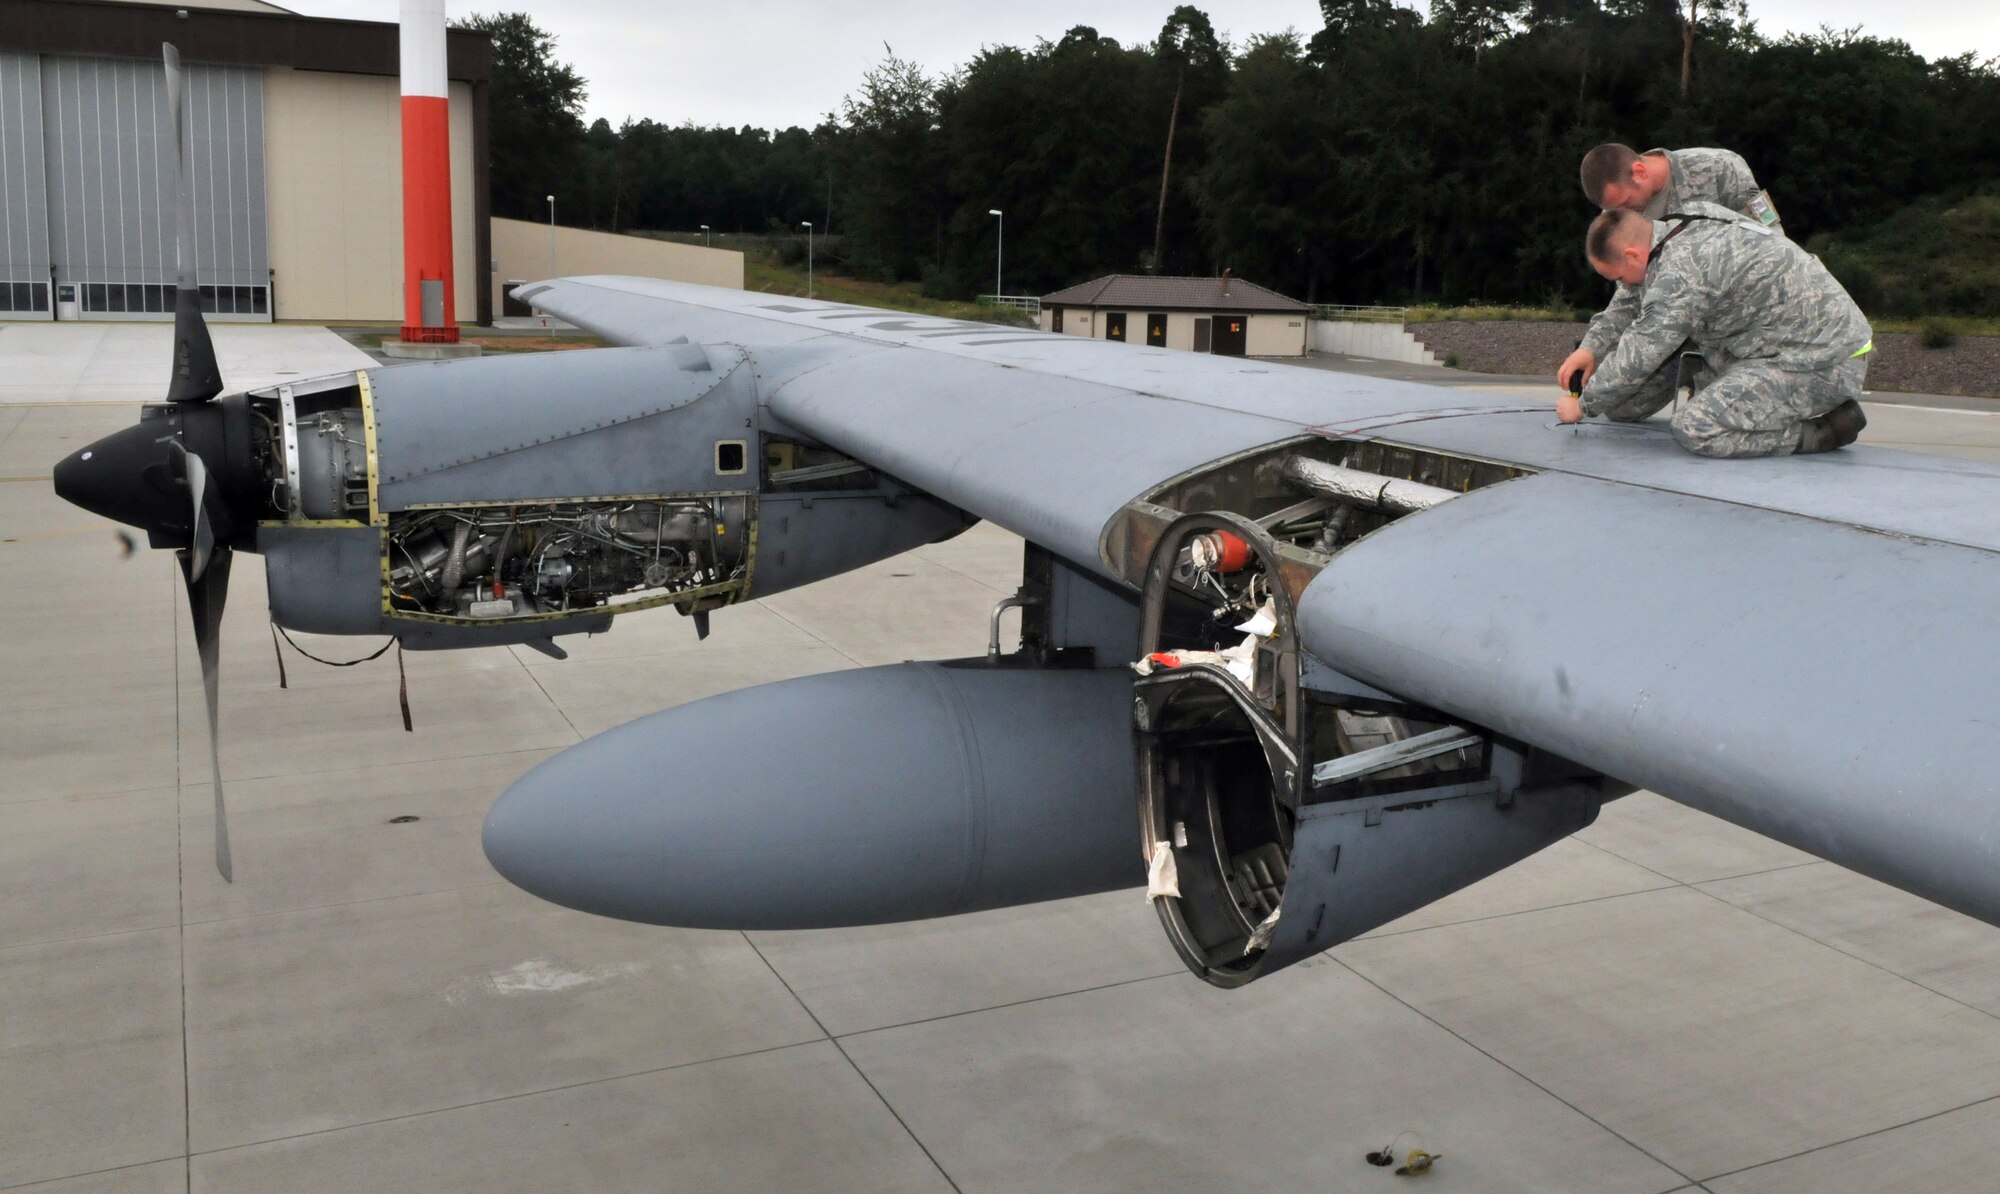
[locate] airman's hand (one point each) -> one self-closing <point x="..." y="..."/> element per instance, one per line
<point x="1583" y="359"/>
<point x="1568" y="409"/>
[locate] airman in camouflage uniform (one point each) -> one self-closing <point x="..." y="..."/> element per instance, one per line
<point x="1656" y="184"/>
<point x="1695" y="175"/>
<point x="1783" y="344"/>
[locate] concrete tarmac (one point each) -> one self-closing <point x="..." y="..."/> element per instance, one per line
<point x="1661" y="1003"/>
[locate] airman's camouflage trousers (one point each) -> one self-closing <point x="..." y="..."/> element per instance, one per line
<point x="1742" y="408"/>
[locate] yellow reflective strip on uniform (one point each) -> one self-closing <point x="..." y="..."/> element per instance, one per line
<point x="1864" y="350"/>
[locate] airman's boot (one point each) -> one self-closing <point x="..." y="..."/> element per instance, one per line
<point x="1836" y="428"/>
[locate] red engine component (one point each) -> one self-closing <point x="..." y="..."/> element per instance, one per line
<point x="1219" y="551"/>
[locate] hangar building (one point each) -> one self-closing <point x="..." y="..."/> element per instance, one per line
<point x="296" y="144"/>
<point x="1226" y="316"/>
<point x="296" y="149"/>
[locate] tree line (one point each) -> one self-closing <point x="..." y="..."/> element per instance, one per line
<point x="1388" y="156"/>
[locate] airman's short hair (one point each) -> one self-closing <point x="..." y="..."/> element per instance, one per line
<point x="1608" y="232"/>
<point x="1605" y="165"/>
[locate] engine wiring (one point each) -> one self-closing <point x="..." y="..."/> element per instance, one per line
<point x="557" y="557"/>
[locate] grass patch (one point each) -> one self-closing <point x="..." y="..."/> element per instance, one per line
<point x="769" y="268"/>
<point x="763" y="272"/>
<point x="518" y="343"/>
<point x="1496" y="314"/>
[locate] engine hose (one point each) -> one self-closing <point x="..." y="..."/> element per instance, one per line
<point x="506" y="549"/>
<point x="1329" y="535"/>
<point x="454" y="564"/>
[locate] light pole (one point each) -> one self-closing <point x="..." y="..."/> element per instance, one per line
<point x="552" y="236"/>
<point x="999" y="248"/>
<point x="808" y="226"/>
<point x="704" y="234"/>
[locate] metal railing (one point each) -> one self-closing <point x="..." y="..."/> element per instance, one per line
<point x="1030" y="303"/>
<point x="1354" y="314"/>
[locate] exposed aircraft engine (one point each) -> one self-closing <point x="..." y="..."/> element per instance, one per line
<point x="1287" y="807"/>
<point x="512" y="500"/>
<point x="503" y="562"/>
<point x="493" y="561"/>
<point x="901" y="792"/>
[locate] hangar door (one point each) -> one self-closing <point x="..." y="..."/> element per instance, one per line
<point x="24" y="215"/>
<point x="89" y="175"/>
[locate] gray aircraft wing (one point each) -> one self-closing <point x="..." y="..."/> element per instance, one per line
<point x="1051" y="435"/>
<point x="1828" y="686"/>
<point x="1803" y="646"/>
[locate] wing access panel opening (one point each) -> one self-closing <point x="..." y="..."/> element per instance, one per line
<point x="1247" y="746"/>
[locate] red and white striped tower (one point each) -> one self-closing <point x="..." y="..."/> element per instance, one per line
<point x="428" y="301"/>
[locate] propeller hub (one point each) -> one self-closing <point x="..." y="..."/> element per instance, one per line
<point x="127" y="477"/>
<point x="132" y="475"/>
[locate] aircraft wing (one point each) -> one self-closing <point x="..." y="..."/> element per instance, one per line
<point x="1826" y="685"/>
<point x="1051" y="436"/>
<point x="1803" y="646"/>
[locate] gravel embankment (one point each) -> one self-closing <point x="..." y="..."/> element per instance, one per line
<point x="1899" y="363"/>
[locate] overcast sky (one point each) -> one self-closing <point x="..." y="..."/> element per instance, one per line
<point x="773" y="63"/>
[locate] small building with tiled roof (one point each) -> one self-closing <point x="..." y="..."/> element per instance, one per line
<point x="1223" y="315"/>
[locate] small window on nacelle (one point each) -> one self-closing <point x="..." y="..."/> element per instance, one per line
<point x="730" y="456"/>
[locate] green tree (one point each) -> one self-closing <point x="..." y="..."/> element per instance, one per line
<point x="1067" y="137"/>
<point x="1187" y="46"/>
<point x="1389" y="157"/>
<point x="1476" y="24"/>
<point x="888" y="145"/>
<point x="1350" y="18"/>
<point x="1272" y="195"/>
<point x="534" y="119"/>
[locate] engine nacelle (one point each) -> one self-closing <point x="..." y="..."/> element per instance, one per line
<point x="514" y="499"/>
<point x="850" y="798"/>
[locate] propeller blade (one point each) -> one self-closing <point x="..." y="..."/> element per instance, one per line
<point x="202" y="541"/>
<point x="206" y="591"/>
<point x="210" y="519"/>
<point x="196" y="376"/>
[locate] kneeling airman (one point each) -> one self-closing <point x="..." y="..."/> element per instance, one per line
<point x="1783" y="348"/>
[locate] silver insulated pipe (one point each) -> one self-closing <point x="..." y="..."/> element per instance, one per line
<point x="1370" y="491"/>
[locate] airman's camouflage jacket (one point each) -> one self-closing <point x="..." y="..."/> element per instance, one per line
<point x="1739" y="292"/>
<point x="1693" y="175"/>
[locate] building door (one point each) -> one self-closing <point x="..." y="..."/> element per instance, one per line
<point x="1231" y="335"/>
<point x="1156" y="329"/>
<point x="1202" y="327"/>
<point x="106" y="183"/>
<point x="66" y="301"/>
<point x="24" y="216"/>
<point x="1114" y="325"/>
<point x="1055" y="320"/>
